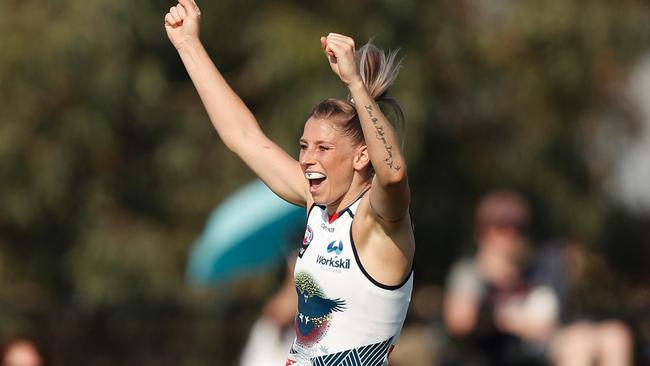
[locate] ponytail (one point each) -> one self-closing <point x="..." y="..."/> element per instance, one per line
<point x="378" y="72"/>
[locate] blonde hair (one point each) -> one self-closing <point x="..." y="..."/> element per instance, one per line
<point x="378" y="72"/>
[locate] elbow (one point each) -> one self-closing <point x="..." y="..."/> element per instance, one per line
<point x="232" y="146"/>
<point x="238" y="140"/>
<point x="393" y="177"/>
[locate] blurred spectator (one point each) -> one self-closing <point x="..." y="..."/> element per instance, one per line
<point x="22" y="352"/>
<point x="273" y="333"/>
<point x="493" y="314"/>
<point x="590" y="334"/>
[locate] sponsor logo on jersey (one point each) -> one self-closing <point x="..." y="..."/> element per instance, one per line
<point x="335" y="247"/>
<point x="333" y="264"/>
<point x="338" y="263"/>
<point x="327" y="228"/>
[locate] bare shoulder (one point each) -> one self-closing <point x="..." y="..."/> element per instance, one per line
<point x="400" y="231"/>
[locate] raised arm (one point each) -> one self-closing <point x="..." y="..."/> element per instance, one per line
<point x="232" y="120"/>
<point x="390" y="194"/>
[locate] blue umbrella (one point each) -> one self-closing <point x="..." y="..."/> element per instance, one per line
<point x="252" y="228"/>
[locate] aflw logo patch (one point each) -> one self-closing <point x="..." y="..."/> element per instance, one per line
<point x="309" y="236"/>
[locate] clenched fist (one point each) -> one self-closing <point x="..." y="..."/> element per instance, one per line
<point x="182" y="22"/>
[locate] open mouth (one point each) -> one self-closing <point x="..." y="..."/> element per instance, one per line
<point x="315" y="179"/>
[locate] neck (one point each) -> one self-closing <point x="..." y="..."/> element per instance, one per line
<point x="355" y="191"/>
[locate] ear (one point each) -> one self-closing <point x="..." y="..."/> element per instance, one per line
<point x="361" y="158"/>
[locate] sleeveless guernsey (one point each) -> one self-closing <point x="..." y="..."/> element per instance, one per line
<point x="344" y="316"/>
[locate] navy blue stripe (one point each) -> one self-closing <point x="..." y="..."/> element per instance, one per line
<point x="369" y="355"/>
<point x="368" y="276"/>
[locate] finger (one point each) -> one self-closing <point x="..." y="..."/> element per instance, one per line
<point x="335" y="51"/>
<point x="174" y="14"/>
<point x="190" y="7"/>
<point x="190" y="3"/>
<point x="169" y="21"/>
<point x="323" y="43"/>
<point x="340" y="48"/>
<point x="340" y="36"/>
<point x="181" y="11"/>
<point x="327" y="51"/>
<point x="330" y="48"/>
<point x="343" y="38"/>
<point x="344" y="41"/>
<point x="337" y="48"/>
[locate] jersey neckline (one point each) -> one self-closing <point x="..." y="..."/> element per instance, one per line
<point x="332" y="218"/>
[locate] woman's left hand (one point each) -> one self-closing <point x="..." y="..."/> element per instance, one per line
<point x="341" y="55"/>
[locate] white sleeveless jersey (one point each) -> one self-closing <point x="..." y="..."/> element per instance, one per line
<point x="344" y="316"/>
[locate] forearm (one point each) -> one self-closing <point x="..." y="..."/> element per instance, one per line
<point x="381" y="139"/>
<point x="229" y="115"/>
<point x="238" y="128"/>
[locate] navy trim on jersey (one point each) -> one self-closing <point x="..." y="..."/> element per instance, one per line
<point x="368" y="276"/>
<point x="342" y="212"/>
<point x="316" y="204"/>
<point x="350" y="212"/>
<point x="311" y="208"/>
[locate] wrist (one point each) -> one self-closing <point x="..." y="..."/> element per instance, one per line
<point x="356" y="86"/>
<point x="188" y="43"/>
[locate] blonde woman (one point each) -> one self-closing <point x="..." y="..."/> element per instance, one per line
<point x="353" y="273"/>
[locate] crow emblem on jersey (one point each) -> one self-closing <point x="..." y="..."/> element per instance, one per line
<point x="314" y="310"/>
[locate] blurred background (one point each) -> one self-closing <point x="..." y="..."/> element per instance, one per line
<point x="109" y="167"/>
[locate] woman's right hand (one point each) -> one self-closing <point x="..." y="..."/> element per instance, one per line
<point x="182" y="22"/>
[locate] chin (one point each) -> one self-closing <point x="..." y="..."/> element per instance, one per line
<point x="319" y="200"/>
<point x="320" y="196"/>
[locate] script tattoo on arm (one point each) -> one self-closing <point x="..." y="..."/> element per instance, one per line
<point x="380" y="134"/>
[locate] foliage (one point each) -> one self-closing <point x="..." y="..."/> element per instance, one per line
<point x="109" y="166"/>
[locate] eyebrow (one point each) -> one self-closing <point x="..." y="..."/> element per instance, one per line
<point x="317" y="142"/>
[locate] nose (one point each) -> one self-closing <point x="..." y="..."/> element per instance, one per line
<point x="306" y="157"/>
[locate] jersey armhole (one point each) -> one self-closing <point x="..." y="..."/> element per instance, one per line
<point x="368" y="276"/>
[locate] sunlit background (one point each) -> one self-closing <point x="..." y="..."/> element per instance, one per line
<point x="109" y="167"/>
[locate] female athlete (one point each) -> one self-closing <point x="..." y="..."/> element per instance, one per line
<point x="353" y="273"/>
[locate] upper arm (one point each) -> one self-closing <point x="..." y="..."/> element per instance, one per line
<point x="390" y="202"/>
<point x="274" y="166"/>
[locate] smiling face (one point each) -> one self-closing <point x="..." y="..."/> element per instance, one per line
<point x="329" y="160"/>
